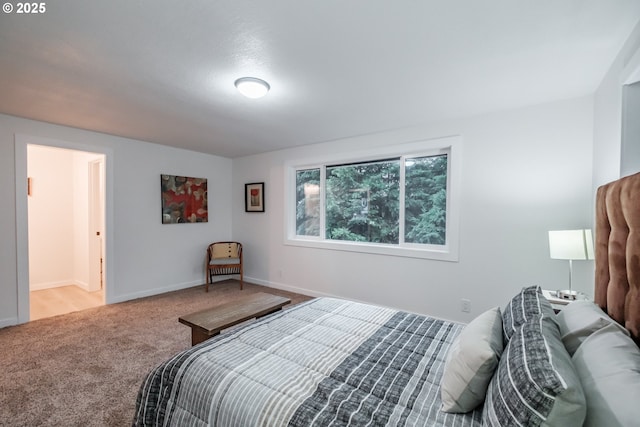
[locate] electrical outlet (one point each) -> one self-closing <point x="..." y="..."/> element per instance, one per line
<point x="465" y="305"/>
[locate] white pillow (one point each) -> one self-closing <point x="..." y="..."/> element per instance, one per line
<point x="608" y="364"/>
<point x="472" y="359"/>
<point x="580" y="319"/>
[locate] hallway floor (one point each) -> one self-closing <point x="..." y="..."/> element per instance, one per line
<point x="62" y="300"/>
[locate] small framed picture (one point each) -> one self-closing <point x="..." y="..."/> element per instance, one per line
<point x="254" y="197"/>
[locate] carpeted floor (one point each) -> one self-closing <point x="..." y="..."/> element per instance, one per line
<point x="84" y="368"/>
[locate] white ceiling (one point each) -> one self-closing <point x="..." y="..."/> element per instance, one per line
<point x="163" y="70"/>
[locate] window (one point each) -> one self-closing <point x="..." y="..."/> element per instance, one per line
<point x="425" y="195"/>
<point x="362" y="202"/>
<point x="401" y="204"/>
<point x="308" y="202"/>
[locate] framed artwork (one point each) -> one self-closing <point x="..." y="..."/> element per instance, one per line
<point x="254" y="197"/>
<point x="184" y="199"/>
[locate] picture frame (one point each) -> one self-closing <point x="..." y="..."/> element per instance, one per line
<point x="254" y="197"/>
<point x="184" y="199"/>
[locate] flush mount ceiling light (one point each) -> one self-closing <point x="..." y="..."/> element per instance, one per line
<point x="252" y="87"/>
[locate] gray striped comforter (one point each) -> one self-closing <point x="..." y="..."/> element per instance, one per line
<point x="324" y="362"/>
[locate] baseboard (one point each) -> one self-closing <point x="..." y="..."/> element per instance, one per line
<point x="50" y="285"/>
<point x="312" y="293"/>
<point x="318" y="294"/>
<point x="9" y="321"/>
<point x="82" y="285"/>
<point x="289" y="288"/>
<point x="152" y="292"/>
<point x="58" y="284"/>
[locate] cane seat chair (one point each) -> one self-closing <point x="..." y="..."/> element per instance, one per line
<point x="224" y="259"/>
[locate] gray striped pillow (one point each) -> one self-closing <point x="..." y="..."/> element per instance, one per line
<point x="528" y="304"/>
<point x="535" y="383"/>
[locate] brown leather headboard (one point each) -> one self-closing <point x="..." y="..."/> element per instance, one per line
<point x="617" y="252"/>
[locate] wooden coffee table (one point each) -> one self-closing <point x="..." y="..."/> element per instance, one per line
<point x="208" y="323"/>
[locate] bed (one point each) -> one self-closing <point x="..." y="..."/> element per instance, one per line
<point x="336" y="362"/>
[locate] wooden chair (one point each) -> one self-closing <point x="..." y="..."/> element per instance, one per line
<point x="224" y="259"/>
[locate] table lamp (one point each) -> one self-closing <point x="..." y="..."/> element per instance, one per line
<point x="570" y="245"/>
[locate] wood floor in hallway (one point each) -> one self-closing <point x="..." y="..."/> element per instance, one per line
<point x="62" y="300"/>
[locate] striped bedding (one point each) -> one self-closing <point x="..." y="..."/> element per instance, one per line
<point x="320" y="363"/>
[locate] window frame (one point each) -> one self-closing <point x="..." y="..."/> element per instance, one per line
<point x="451" y="146"/>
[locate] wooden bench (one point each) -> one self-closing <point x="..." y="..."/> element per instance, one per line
<point x="208" y="323"/>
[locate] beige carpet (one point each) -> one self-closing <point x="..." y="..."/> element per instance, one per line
<point x="84" y="368"/>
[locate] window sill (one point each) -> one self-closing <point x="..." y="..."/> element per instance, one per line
<point x="434" y="253"/>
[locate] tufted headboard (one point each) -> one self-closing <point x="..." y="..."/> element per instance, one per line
<point x="617" y="252"/>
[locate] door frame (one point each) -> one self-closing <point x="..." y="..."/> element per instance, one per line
<point x="22" y="220"/>
<point x="96" y="224"/>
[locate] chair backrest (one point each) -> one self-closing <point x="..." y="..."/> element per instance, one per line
<point x="219" y="250"/>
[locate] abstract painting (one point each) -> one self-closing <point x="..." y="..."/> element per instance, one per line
<point x="184" y="199"/>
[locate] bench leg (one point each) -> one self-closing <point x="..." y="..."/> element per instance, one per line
<point x="197" y="336"/>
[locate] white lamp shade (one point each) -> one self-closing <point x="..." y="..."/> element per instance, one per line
<point x="571" y="244"/>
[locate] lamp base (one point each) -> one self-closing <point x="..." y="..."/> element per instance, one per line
<point x="567" y="294"/>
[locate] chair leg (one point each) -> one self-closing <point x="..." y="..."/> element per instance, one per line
<point x="207" y="279"/>
<point x="241" y="277"/>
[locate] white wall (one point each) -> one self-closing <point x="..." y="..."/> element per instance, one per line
<point x="524" y="172"/>
<point x="630" y="147"/>
<point x="58" y="217"/>
<point x="81" y="236"/>
<point x="144" y="257"/>
<point x="608" y="111"/>
<point x="51" y="217"/>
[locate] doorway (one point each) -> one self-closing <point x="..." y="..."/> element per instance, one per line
<point x="66" y="245"/>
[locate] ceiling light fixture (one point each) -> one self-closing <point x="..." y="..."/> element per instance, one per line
<point x="252" y="87"/>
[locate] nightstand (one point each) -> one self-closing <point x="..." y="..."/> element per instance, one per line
<point x="559" y="303"/>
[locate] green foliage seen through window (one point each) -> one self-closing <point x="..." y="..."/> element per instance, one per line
<point x="363" y="201"/>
